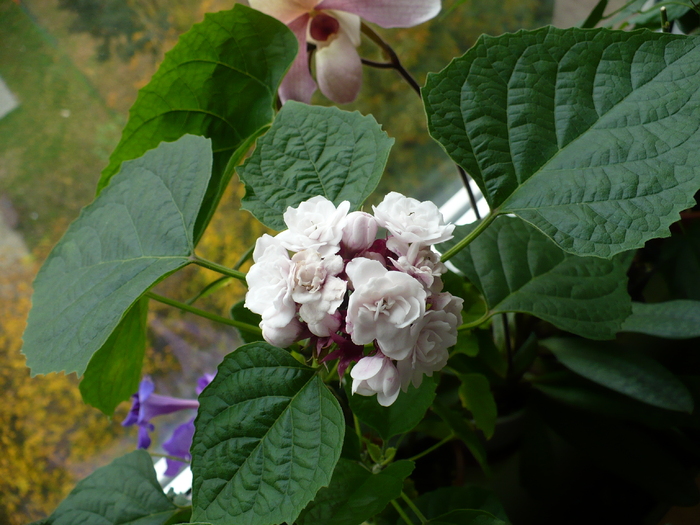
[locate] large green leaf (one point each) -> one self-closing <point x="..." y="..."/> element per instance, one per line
<point x="401" y="416"/>
<point x="634" y="375"/>
<point x="220" y="81"/>
<point x="138" y="230"/>
<point x="590" y="135"/>
<point x="310" y="151"/>
<point x="520" y="270"/>
<point x="268" y="435"/>
<point x="355" y="494"/>
<point x="125" y="492"/>
<point x="113" y="373"/>
<point x="672" y="319"/>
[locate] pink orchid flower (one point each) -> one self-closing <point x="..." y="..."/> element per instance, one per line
<point x="333" y="26"/>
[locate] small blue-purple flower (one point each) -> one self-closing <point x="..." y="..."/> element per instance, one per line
<point x="179" y="446"/>
<point x="146" y="405"/>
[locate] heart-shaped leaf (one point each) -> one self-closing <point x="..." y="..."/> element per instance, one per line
<point x="125" y="491"/>
<point x="589" y="135"/>
<point x="310" y="151"/>
<point x="268" y="436"/>
<point x="220" y="81"/>
<point x="138" y="230"/>
<point x="518" y="269"/>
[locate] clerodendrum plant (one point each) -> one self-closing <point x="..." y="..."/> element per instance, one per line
<point x="584" y="142"/>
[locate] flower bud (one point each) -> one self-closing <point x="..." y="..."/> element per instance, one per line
<point x="359" y="232"/>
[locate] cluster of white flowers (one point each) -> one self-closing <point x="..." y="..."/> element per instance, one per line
<point x="328" y="277"/>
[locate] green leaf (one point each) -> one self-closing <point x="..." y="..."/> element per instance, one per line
<point x="124" y="492"/>
<point x="672" y="319"/>
<point x="467" y="517"/>
<point x="464" y="431"/>
<point x="137" y="231"/>
<point x="589" y="135"/>
<point x="634" y="375"/>
<point x="242" y="314"/>
<point x="402" y="416"/>
<point x="355" y="494"/>
<point x="520" y="270"/>
<point x="310" y="151"/>
<point x="268" y="435"/>
<point x="220" y="81"/>
<point x="438" y="502"/>
<point x="114" y="372"/>
<point x="475" y="394"/>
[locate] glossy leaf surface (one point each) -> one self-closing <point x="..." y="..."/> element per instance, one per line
<point x="268" y="436"/>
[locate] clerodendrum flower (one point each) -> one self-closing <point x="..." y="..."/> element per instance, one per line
<point x="333" y="26"/>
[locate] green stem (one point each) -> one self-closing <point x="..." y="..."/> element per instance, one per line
<point x="246" y="255"/>
<point x="401" y="512"/>
<point x="434" y="447"/>
<point x="358" y="430"/>
<point x="394" y="62"/>
<point x="218" y="268"/>
<point x="481" y="320"/>
<point x="243" y="327"/>
<point x="471" y="236"/>
<point x="413" y="507"/>
<point x="166" y="456"/>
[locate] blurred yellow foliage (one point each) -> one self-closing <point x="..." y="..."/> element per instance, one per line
<point x="44" y="426"/>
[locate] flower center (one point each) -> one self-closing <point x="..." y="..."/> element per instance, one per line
<point x="323" y="27"/>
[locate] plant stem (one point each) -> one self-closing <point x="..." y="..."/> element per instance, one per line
<point x="246" y="255"/>
<point x="474" y="324"/>
<point x="243" y="327"/>
<point x="401" y="512"/>
<point x="470" y="237"/>
<point x="413" y="507"/>
<point x="166" y="456"/>
<point x="218" y="268"/>
<point x="358" y="429"/>
<point x="434" y="447"/>
<point x="394" y="62"/>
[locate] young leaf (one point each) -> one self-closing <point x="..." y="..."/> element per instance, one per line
<point x="241" y="313"/>
<point x="137" y="231"/>
<point x="518" y="269"/>
<point x="268" y="435"/>
<point x="309" y="151"/>
<point x="220" y="81"/>
<point x="402" y="416"/>
<point x="589" y="135"/>
<point x="355" y="494"/>
<point x="113" y="373"/>
<point x="672" y="319"/>
<point x="475" y="394"/>
<point x="125" y="491"/>
<point x="634" y="375"/>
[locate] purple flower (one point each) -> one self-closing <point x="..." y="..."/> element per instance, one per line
<point x="179" y="446"/>
<point x="146" y="405"/>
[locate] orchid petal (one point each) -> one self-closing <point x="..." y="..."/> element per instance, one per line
<point x="339" y="69"/>
<point x="284" y="10"/>
<point x="298" y="84"/>
<point x="387" y="13"/>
